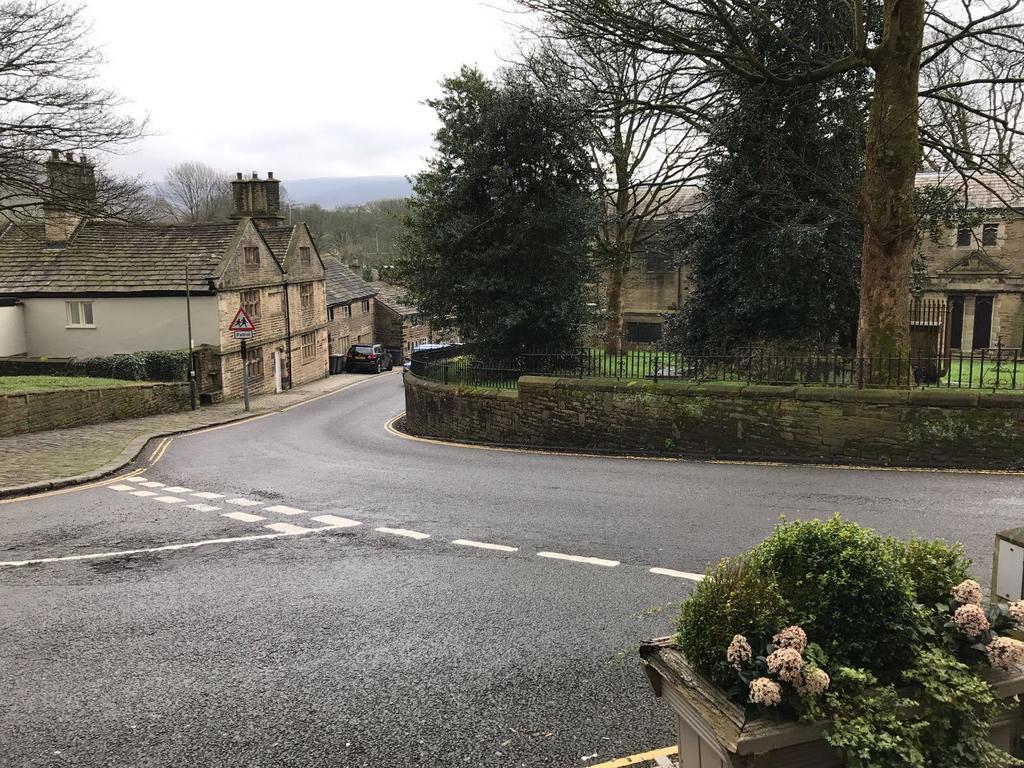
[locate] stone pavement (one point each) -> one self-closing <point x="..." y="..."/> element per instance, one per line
<point x="44" y="460"/>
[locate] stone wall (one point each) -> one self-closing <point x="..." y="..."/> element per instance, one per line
<point x="58" y="409"/>
<point x="931" y="428"/>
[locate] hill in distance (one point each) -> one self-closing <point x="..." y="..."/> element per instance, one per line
<point x="332" y="192"/>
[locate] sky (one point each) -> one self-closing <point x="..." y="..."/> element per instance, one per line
<point x="303" y="88"/>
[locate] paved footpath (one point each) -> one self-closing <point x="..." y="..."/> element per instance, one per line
<point x="42" y="460"/>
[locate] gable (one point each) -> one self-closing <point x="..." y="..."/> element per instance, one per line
<point x="235" y="272"/>
<point x="974" y="264"/>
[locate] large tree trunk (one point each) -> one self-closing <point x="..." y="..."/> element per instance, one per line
<point x="613" y="324"/>
<point x="891" y="161"/>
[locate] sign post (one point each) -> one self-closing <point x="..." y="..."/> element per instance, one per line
<point x="242" y="328"/>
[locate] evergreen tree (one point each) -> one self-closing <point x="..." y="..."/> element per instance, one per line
<point x="496" y="239"/>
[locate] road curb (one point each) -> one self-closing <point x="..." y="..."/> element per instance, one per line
<point x="137" y="444"/>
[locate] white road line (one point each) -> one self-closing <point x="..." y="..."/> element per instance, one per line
<point x="151" y="484"/>
<point x="169" y="499"/>
<point x="208" y="495"/>
<point x="677" y="574"/>
<point x="166" y="548"/>
<point x="485" y="545"/>
<point x="579" y="559"/>
<point x="245" y="517"/>
<point x="282" y="509"/>
<point x="244" y="502"/>
<point x="121" y="487"/>
<point x="143" y="493"/>
<point x="404" y="532"/>
<point x="336" y="522"/>
<point x="137" y="479"/>
<point x="288" y="528"/>
<point x="203" y="507"/>
<point x="178" y="489"/>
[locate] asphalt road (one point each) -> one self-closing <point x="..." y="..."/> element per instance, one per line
<point x="318" y="642"/>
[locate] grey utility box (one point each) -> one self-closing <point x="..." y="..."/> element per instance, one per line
<point x="1008" y="566"/>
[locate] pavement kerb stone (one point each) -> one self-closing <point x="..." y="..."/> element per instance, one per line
<point x="138" y="443"/>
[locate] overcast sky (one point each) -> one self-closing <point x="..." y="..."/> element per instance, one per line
<point x="304" y="88"/>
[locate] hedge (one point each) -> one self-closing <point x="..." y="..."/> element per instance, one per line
<point x="135" y="366"/>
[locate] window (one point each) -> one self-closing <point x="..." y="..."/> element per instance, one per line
<point x="643" y="333"/>
<point x="306" y="295"/>
<point x="80" y="314"/>
<point x="346" y="311"/>
<point x="251" y="303"/>
<point x="304" y="255"/>
<point x="989" y="234"/>
<point x="963" y="237"/>
<point x="252" y="256"/>
<point x="308" y="346"/>
<point x="254" y="363"/>
<point x="330" y="313"/>
<point x="366" y="306"/>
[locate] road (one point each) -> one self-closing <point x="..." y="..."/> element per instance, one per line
<point x="301" y="638"/>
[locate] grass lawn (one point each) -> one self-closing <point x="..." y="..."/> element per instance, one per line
<point x="968" y="373"/>
<point x="16" y="385"/>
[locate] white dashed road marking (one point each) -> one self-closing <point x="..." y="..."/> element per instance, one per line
<point x="245" y="517"/>
<point x="208" y="495"/>
<point x="244" y="502"/>
<point x="485" y="545"/>
<point x="288" y="528"/>
<point x="579" y="559"/>
<point x="335" y="521"/>
<point x="205" y="508"/>
<point x="282" y="509"/>
<point x="177" y="489"/>
<point x="143" y="493"/>
<point x="151" y="484"/>
<point x="677" y="574"/>
<point x="404" y="532"/>
<point x="121" y="487"/>
<point x="169" y="499"/>
<point x="137" y="479"/>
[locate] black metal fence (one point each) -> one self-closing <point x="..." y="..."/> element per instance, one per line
<point x="998" y="368"/>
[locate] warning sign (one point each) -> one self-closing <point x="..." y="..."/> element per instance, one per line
<point x="242" y="326"/>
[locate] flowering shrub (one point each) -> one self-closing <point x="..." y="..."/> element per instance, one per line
<point x="968" y="592"/>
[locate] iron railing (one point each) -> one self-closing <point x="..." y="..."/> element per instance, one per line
<point x="998" y="368"/>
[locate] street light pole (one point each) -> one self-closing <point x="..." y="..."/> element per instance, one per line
<point x="191" y="353"/>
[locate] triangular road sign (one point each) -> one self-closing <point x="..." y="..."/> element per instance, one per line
<point x="241" y="322"/>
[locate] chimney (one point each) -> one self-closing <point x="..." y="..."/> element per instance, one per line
<point x="71" y="195"/>
<point x="256" y="198"/>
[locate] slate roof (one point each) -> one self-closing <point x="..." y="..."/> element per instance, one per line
<point x="111" y="258"/>
<point x="391" y="296"/>
<point x="278" y="238"/>
<point x="986" y="191"/>
<point x="344" y="285"/>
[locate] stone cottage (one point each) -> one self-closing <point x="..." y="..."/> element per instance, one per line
<point x="77" y="288"/>
<point x="350" y="307"/>
<point x="398" y="325"/>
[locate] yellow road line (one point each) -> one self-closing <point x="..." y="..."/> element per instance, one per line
<point x="389" y="427"/>
<point x="642" y="757"/>
<point x="72" y="488"/>
<point x="159" y="451"/>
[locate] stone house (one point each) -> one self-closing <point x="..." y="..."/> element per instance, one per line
<point x="978" y="271"/>
<point x="77" y="288"/>
<point x="398" y="325"/>
<point x="350" y="307"/>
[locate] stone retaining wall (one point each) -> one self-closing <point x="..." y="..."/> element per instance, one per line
<point x="931" y="428"/>
<point x="57" y="409"/>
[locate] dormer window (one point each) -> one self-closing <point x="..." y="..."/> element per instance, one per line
<point x="251" y="255"/>
<point x="963" y="237"/>
<point x="304" y="254"/>
<point x="990" y="234"/>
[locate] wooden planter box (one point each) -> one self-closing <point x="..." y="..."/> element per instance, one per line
<point x="715" y="733"/>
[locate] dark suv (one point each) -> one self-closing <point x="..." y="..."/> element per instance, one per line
<point x="368" y="357"/>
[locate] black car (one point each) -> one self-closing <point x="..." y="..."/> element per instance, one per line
<point x="368" y="357"/>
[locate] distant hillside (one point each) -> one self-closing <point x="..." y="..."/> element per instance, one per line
<point x="337" y="191"/>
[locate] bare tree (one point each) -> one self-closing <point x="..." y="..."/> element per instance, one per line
<point x="644" y="157"/>
<point x="885" y="36"/>
<point x="195" y="192"/>
<point x="50" y="99"/>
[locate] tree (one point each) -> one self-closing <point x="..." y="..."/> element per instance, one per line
<point x="643" y="157"/>
<point x="496" y="239"/>
<point x="195" y="192"/>
<point x="50" y="99"/>
<point x="714" y="31"/>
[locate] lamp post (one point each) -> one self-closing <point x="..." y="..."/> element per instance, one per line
<point x="188" y="320"/>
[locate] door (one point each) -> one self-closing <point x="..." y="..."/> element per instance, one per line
<point x="956" y="322"/>
<point x="277" y="370"/>
<point x="982" y="322"/>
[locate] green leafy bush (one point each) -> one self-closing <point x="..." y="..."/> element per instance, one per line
<point x="738" y="596"/>
<point x="135" y="366"/>
<point x="847" y="590"/>
<point x="933" y="567"/>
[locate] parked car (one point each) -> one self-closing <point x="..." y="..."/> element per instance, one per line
<point x="368" y="357"/>
<point x="424" y="348"/>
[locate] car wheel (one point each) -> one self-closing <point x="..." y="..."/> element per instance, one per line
<point x="380" y="366"/>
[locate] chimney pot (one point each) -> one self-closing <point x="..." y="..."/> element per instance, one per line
<point x="239" y="175"/>
<point x="70" y="157"/>
<point x="54" y="154"/>
<point x="270" y="174"/>
<point x="255" y="177"/>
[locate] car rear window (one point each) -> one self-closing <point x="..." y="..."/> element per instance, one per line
<point x="362" y="349"/>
